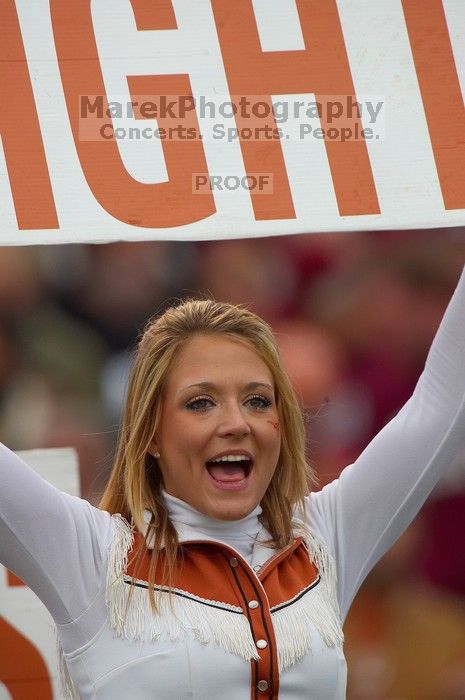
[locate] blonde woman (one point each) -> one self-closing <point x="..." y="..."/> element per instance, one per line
<point x="209" y="570"/>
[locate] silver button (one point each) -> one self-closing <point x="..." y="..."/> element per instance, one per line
<point x="262" y="685"/>
<point x="262" y="643"/>
<point x="253" y="604"/>
<point x="233" y="561"/>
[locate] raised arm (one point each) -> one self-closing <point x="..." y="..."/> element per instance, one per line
<point x="363" y="512"/>
<point x="53" y="541"/>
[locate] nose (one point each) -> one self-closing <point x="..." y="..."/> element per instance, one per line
<point x="233" y="422"/>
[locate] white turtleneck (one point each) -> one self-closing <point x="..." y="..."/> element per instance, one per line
<point x="241" y="535"/>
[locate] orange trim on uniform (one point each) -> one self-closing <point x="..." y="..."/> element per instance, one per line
<point x="216" y="574"/>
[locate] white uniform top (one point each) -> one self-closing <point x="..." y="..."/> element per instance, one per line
<point x="58" y="544"/>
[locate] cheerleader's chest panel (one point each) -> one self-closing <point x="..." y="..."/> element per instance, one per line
<point x="224" y="631"/>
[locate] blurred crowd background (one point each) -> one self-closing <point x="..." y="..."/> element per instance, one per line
<point x="354" y="315"/>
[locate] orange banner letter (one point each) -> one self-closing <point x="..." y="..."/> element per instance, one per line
<point x="22" y="668"/>
<point x="158" y="205"/>
<point x="321" y="68"/>
<point x="20" y="130"/>
<point x="441" y="94"/>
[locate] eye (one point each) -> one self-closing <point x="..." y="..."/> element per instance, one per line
<point x="259" y="402"/>
<point x="199" y="403"/>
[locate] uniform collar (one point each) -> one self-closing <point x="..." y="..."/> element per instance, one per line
<point x="246" y="536"/>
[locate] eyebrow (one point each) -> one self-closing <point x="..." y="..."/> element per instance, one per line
<point x="205" y="386"/>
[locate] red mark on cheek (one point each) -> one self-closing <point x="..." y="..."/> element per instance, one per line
<point x="275" y="424"/>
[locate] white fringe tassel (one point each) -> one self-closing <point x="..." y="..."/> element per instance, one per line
<point x="123" y="539"/>
<point x="324" y="562"/>
<point x="187" y="615"/>
<point x="318" y="607"/>
<point x="67" y="689"/>
<point x="293" y="626"/>
<point x="176" y="616"/>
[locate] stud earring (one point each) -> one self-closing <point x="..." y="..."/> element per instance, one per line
<point x="156" y="455"/>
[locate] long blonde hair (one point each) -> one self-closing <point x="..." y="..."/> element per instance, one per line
<point x="135" y="482"/>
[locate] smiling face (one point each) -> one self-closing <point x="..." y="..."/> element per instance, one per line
<point x="219" y="437"/>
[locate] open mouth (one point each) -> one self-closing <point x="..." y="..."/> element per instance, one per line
<point x="230" y="471"/>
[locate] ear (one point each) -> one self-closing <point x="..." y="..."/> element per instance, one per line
<point x="153" y="449"/>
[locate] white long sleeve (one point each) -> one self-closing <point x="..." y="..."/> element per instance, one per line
<point x="363" y="512"/>
<point x="56" y="543"/>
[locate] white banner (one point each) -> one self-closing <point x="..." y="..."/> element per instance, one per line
<point x="28" y="658"/>
<point x="182" y="120"/>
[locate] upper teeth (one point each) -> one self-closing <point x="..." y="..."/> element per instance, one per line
<point x="231" y="458"/>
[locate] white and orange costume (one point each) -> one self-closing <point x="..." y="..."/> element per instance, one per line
<point x="244" y="621"/>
